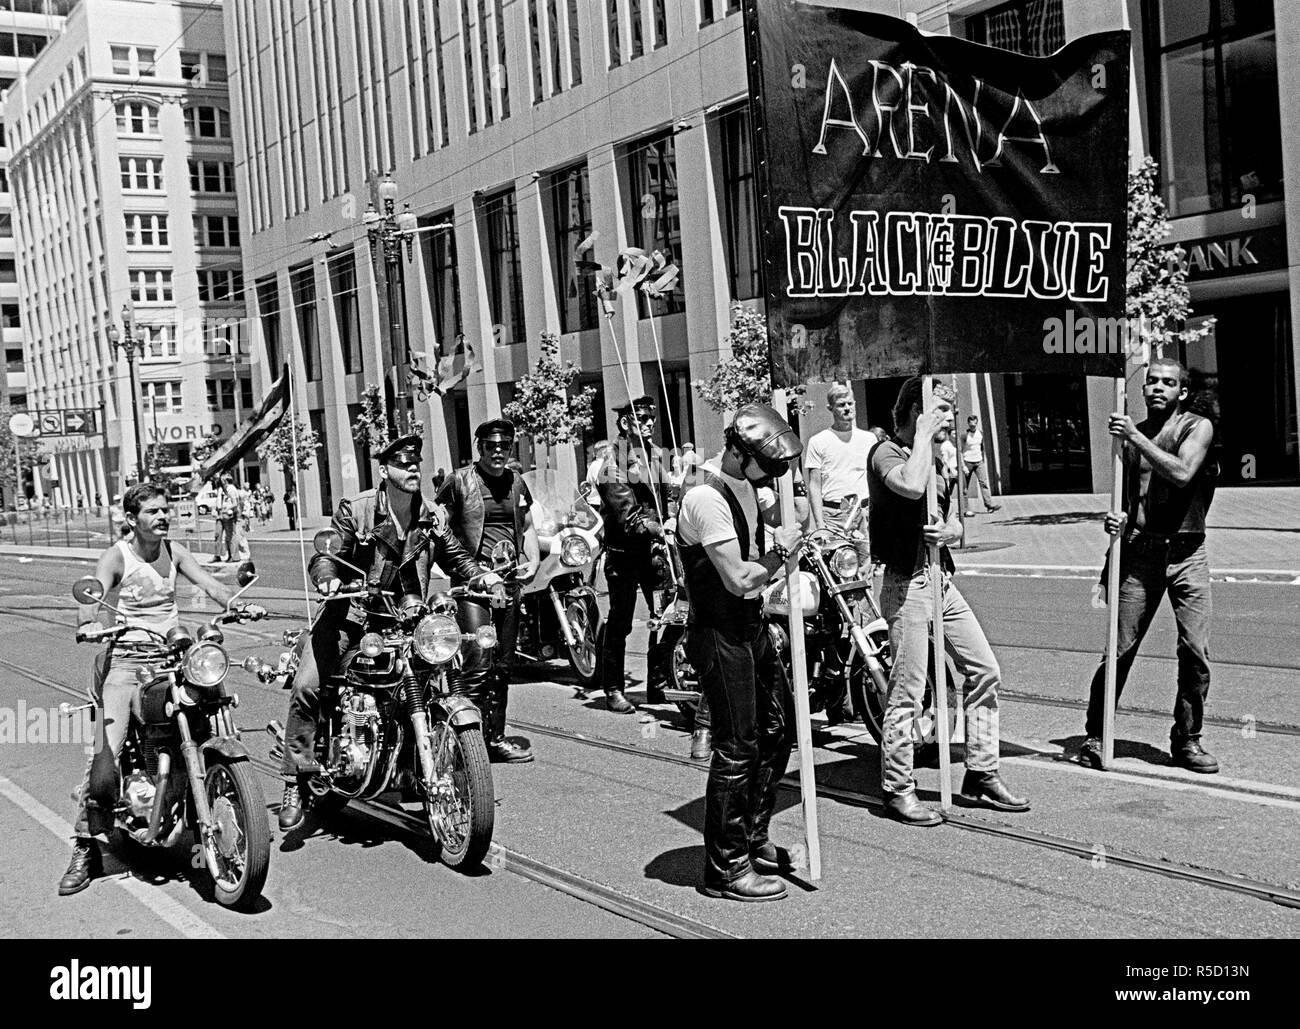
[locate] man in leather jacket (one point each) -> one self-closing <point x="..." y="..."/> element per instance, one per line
<point x="628" y="481"/>
<point x="488" y="505"/>
<point x="394" y="534"/>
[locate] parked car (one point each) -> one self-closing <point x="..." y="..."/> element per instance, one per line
<point x="207" y="499"/>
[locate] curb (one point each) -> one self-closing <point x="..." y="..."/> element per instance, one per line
<point x="1285" y="576"/>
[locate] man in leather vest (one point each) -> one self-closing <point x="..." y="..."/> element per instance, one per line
<point x="723" y="529"/>
<point x="628" y="481"/>
<point x="394" y="534"/>
<point x="1169" y="478"/>
<point x="489" y="508"/>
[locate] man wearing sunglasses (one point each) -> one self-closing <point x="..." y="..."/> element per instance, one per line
<point x="628" y="482"/>
<point x="490" y="511"/>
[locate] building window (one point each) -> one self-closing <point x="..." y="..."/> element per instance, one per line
<point x="571" y="199"/>
<point x="208" y="122"/>
<point x="21" y="44"/>
<point x="268" y="308"/>
<point x="152" y="286"/>
<point x="439" y="250"/>
<point x="743" y="269"/>
<point x="505" y="287"/>
<point x="142" y="174"/>
<point x="575" y="45"/>
<point x="146" y="230"/>
<point x="10" y="317"/>
<point x="655" y="216"/>
<point x="212" y="177"/>
<point x="161" y="397"/>
<point x="347" y="310"/>
<point x="612" y="32"/>
<point x="136" y="118"/>
<point x="1032" y="27"/>
<point x="6" y="226"/>
<point x="302" y="286"/>
<point x="638" y="32"/>
<point x="535" y="48"/>
<point x="220" y="286"/>
<point x="159" y="340"/>
<point x="1217" y="108"/>
<point x="216" y="230"/>
<point x="317" y="419"/>
<point x="714" y="10"/>
<point x="134" y="61"/>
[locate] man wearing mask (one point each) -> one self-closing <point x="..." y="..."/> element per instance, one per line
<point x="632" y="496"/>
<point x="901" y="532"/>
<point x="731" y="548"/>
<point x="489" y="508"/>
<point x="394" y="534"/>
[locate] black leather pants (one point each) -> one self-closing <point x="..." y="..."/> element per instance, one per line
<point x="627" y="573"/>
<point x="485" y="679"/>
<point x="328" y="641"/>
<point x="752" y="714"/>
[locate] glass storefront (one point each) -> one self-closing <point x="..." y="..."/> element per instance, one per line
<point x="1047" y="425"/>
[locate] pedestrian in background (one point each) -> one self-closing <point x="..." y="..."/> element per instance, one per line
<point x="291" y="505"/>
<point x="835" y="462"/>
<point x="972" y="456"/>
<point x="230" y="512"/>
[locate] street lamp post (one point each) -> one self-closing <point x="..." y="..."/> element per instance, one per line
<point x="390" y="231"/>
<point x="126" y="340"/>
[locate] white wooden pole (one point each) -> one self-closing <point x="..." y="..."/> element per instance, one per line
<point x="799" y="676"/>
<point x="936" y="589"/>
<point x="1112" y="586"/>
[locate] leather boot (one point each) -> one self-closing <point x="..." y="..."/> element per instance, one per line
<point x="85" y="865"/>
<point x="988" y="790"/>
<point x="749" y="887"/>
<point x="1090" y="754"/>
<point x="701" y="745"/>
<point x="1191" y="755"/>
<point x="291" y="813"/>
<point x="905" y="808"/>
<point x="769" y="859"/>
<point x="616" y="702"/>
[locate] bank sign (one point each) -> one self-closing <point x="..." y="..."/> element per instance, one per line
<point x="931" y="203"/>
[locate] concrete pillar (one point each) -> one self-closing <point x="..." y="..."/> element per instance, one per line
<point x="1287" y="20"/>
<point x="476" y="311"/>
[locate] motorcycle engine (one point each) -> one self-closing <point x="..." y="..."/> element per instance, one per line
<point x="138" y="791"/>
<point x="358" y="725"/>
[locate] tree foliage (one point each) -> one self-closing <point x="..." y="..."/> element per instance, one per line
<point x="544" y="408"/>
<point x="371" y="428"/>
<point x="279" y="446"/>
<point x="1158" y="301"/>
<point x="744" y="378"/>
<point x="29" y="452"/>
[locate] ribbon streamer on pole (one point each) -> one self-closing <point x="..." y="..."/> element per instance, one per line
<point x="936" y="590"/>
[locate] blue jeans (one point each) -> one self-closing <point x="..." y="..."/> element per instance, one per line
<point x="906" y="602"/>
<point x="1148" y="569"/>
<point x="118" y="694"/>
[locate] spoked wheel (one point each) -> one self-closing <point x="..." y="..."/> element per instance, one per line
<point x="680" y="673"/>
<point x="584" y="620"/>
<point x="239" y="852"/>
<point x="869" y="689"/>
<point x="461" y="807"/>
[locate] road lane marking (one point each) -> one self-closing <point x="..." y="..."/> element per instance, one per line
<point x="170" y="911"/>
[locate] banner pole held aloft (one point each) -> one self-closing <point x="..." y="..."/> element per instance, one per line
<point x="936" y="619"/>
<point x="1112" y="585"/>
<point x="799" y="674"/>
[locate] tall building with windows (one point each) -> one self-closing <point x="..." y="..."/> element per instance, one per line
<point x="532" y="137"/>
<point x="28" y="25"/>
<point x="122" y="176"/>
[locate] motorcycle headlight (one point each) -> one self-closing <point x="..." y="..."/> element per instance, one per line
<point x="575" y="551"/>
<point x="206" y="665"/>
<point x="845" y="563"/>
<point x="436" y="639"/>
<point x="486" y="635"/>
<point x="372" y="644"/>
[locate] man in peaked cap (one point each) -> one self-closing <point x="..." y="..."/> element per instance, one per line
<point x="395" y="534"/>
<point x="490" y="512"/>
<point x="628" y="482"/>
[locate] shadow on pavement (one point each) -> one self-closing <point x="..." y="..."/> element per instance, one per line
<point x="1123" y="748"/>
<point x="1054" y="518"/>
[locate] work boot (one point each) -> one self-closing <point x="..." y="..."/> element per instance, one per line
<point x="507" y="751"/>
<point x="654" y="693"/>
<point x="769" y="859"/>
<point x="85" y="865"/>
<point x="291" y="813"/>
<point x="616" y="702"/>
<point x="701" y="744"/>
<point x="1191" y="755"/>
<point x="1090" y="754"/>
<point x="905" y="808"/>
<point x="988" y="790"/>
<point x="990" y="508"/>
<point x="749" y="887"/>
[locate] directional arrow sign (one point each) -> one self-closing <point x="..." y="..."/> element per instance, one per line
<point x="75" y="421"/>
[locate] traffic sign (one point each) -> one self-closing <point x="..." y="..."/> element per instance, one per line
<point x="51" y="423"/>
<point x="79" y="421"/>
<point x="22" y="425"/>
<point x="187" y="515"/>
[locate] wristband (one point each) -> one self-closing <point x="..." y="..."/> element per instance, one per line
<point x="780" y="552"/>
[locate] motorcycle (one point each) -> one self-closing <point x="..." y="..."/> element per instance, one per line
<point x="559" y="608"/>
<point x="393" y="720"/>
<point x="185" y="712"/>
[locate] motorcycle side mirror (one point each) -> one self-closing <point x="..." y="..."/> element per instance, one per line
<point x="584" y="488"/>
<point x="327" y="541"/>
<point x="503" y="557"/>
<point x="88" y="590"/>
<point x="245" y="574"/>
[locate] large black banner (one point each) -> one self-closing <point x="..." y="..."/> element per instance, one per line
<point x="933" y="204"/>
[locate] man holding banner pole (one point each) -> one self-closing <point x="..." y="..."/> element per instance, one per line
<point x="901" y="533"/>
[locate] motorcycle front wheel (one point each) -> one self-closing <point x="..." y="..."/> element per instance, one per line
<point x="584" y="620"/>
<point x="462" y="814"/>
<point x="239" y="853"/>
<point x="868" y="692"/>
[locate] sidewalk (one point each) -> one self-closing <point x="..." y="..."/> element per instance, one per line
<point x="1253" y="532"/>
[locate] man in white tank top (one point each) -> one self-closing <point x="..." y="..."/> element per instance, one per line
<point x="142" y="568"/>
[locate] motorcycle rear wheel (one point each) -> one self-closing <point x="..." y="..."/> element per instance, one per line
<point x="584" y="655"/>
<point x="463" y="828"/>
<point x="241" y="845"/>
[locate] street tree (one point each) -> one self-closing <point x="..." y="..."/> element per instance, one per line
<point x="29" y="453"/>
<point x="546" y="408"/>
<point x="290" y="440"/>
<point x="744" y="377"/>
<point x="371" y="428"/>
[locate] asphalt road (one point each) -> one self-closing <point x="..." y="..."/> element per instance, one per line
<point x="630" y="821"/>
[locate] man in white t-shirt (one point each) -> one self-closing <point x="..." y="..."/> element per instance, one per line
<point x="730" y="549"/>
<point x="973" y="467"/>
<point x="835" y="462"/>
